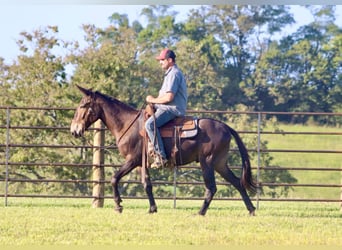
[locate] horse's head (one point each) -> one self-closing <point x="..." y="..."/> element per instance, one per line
<point x="86" y="113"/>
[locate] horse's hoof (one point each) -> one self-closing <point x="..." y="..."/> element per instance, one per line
<point x="252" y="213"/>
<point x="118" y="209"/>
<point x="197" y="215"/>
<point x="153" y="209"/>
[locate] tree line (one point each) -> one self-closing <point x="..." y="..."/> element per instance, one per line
<point x="231" y="55"/>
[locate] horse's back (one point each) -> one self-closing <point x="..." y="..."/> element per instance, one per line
<point x="214" y="128"/>
<point x="213" y="137"/>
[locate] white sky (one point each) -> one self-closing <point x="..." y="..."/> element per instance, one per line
<point x="69" y="18"/>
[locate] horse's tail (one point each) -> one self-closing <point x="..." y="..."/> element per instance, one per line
<point x="246" y="176"/>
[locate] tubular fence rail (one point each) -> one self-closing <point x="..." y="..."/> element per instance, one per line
<point x="7" y="163"/>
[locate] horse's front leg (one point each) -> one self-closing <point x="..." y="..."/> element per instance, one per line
<point x="148" y="189"/>
<point x="124" y="170"/>
<point x="117" y="199"/>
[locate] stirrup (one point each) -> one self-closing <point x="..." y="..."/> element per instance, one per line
<point x="150" y="149"/>
<point x="159" y="162"/>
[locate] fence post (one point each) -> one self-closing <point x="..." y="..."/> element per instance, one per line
<point x="175" y="187"/>
<point x="8" y="112"/>
<point x="98" y="168"/>
<point x="259" y="159"/>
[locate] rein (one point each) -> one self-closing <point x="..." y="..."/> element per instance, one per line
<point x="144" y="156"/>
<point x="131" y="124"/>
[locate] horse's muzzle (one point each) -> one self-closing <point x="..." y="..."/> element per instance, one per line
<point x="77" y="129"/>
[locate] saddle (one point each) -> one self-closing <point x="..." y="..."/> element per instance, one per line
<point x="182" y="127"/>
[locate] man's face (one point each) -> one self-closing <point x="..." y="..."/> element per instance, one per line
<point x="166" y="63"/>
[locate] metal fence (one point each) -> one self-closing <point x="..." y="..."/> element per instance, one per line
<point x="8" y="164"/>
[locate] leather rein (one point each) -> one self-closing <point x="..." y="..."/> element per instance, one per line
<point x="144" y="151"/>
<point x="129" y="126"/>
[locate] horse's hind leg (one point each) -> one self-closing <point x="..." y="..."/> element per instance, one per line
<point x="210" y="186"/>
<point x="229" y="176"/>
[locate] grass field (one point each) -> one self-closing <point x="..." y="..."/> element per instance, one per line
<point x="59" y="222"/>
<point x="309" y="160"/>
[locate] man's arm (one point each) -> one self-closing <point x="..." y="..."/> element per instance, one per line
<point x="163" y="99"/>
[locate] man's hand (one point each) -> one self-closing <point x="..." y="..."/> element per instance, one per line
<point x="149" y="99"/>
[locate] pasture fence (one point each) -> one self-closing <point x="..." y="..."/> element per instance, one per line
<point x="98" y="165"/>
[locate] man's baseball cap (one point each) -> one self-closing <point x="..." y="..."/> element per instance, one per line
<point x="165" y="54"/>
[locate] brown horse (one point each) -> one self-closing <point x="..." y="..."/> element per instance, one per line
<point x="209" y="147"/>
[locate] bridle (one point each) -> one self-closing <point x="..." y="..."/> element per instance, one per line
<point x="89" y="106"/>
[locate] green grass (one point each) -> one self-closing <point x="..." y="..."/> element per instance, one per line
<point x="59" y="222"/>
<point x="312" y="160"/>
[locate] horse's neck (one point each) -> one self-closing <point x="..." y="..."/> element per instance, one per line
<point x="117" y="117"/>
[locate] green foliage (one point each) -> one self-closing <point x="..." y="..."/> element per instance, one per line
<point x="299" y="72"/>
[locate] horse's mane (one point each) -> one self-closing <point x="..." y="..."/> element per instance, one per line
<point x="112" y="100"/>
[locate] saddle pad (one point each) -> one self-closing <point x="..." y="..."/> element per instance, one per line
<point x="185" y="125"/>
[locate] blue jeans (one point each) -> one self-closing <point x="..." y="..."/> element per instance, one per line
<point x="161" y="117"/>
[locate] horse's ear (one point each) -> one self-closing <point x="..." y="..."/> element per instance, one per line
<point x="85" y="91"/>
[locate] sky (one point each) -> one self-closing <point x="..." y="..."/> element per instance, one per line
<point x="69" y="18"/>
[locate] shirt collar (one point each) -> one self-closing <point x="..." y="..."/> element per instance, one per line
<point x="169" y="69"/>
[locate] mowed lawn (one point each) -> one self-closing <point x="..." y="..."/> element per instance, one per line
<point x="60" y="222"/>
<point x="309" y="160"/>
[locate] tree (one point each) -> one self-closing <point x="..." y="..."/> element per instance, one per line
<point x="238" y="29"/>
<point x="109" y="63"/>
<point x="161" y="30"/>
<point x="300" y="73"/>
<point x="38" y="79"/>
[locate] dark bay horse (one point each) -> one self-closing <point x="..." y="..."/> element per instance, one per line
<point x="209" y="147"/>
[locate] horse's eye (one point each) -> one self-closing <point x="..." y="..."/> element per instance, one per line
<point x="85" y="105"/>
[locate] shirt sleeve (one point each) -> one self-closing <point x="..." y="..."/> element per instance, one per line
<point x="171" y="83"/>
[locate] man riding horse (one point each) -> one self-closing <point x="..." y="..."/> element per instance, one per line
<point x="170" y="103"/>
<point x="209" y="145"/>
